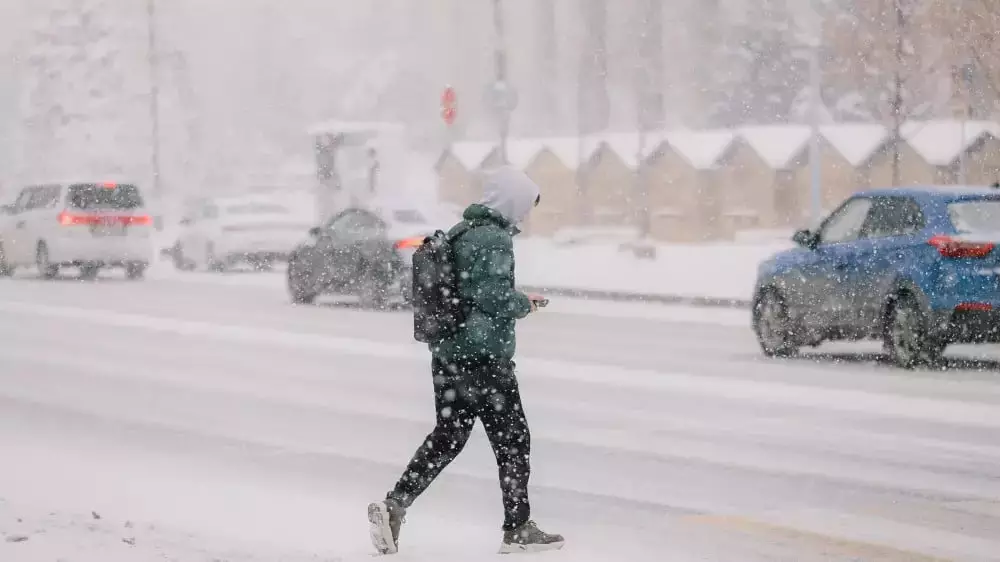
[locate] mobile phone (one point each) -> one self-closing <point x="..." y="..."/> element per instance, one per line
<point x="541" y="303"/>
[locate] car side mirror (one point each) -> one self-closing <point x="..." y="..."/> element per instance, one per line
<point x="315" y="231"/>
<point x="806" y="239"/>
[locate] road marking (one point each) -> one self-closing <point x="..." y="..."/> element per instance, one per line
<point x="879" y="404"/>
<point x="830" y="545"/>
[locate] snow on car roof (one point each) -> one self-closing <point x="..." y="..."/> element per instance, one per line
<point x="948" y="191"/>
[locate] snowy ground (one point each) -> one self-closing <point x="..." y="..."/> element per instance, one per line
<point x="713" y="271"/>
<point x="706" y="271"/>
<point x="222" y="423"/>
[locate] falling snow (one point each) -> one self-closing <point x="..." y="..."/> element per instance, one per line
<point x="769" y="232"/>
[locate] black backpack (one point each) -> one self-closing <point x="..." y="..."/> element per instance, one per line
<point x="438" y="311"/>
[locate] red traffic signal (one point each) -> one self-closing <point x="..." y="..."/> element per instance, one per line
<point x="448" y="114"/>
<point x="448" y="97"/>
<point x="448" y="102"/>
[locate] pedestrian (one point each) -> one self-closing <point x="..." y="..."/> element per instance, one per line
<point x="473" y="369"/>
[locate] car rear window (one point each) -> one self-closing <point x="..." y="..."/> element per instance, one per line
<point x="981" y="215"/>
<point x="408" y="216"/>
<point x="104" y="196"/>
<point x="256" y="209"/>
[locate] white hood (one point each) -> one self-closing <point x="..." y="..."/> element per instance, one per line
<point x="510" y="192"/>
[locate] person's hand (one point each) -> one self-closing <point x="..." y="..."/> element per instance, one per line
<point x="535" y="299"/>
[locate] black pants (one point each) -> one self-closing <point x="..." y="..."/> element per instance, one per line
<point x="486" y="390"/>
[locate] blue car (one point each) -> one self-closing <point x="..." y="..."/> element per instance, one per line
<point x="917" y="268"/>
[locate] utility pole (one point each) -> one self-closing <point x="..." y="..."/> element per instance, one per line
<point x="897" y="94"/>
<point x="154" y="97"/>
<point x="592" y="99"/>
<point x="647" y="100"/>
<point x="501" y="87"/>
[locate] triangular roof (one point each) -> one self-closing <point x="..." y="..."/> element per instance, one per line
<point x="940" y="142"/>
<point x="856" y="142"/>
<point x="702" y="149"/>
<point x="777" y="145"/>
<point x="522" y="152"/>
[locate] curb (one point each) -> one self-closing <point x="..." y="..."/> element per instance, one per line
<point x="622" y="296"/>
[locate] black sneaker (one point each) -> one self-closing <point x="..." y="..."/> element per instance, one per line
<point x="386" y="518"/>
<point x="529" y="538"/>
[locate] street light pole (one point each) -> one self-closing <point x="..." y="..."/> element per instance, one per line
<point x="154" y="97"/>
<point x="965" y="81"/>
<point x="897" y="92"/>
<point x="815" y="165"/>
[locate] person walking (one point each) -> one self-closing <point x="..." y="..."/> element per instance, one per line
<point x="473" y="370"/>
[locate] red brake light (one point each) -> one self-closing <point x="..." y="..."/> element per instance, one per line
<point x="109" y="185"/>
<point x="410" y="243"/>
<point x="69" y="219"/>
<point x="974" y="307"/>
<point x="953" y="248"/>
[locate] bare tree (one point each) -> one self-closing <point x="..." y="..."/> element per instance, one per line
<point x="75" y="108"/>
<point x="887" y="53"/>
<point x="967" y="29"/>
<point x="593" y="105"/>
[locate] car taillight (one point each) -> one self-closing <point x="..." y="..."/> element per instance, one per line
<point x="140" y="220"/>
<point x="410" y="243"/>
<point x="69" y="219"/>
<point x="974" y="307"/>
<point x="950" y="247"/>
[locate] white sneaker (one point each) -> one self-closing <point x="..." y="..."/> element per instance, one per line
<point x="385" y="519"/>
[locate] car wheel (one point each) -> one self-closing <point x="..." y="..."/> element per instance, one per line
<point x="180" y="262"/>
<point x="135" y="271"/>
<point x="261" y="264"/>
<point x="406" y="288"/>
<point x="212" y="262"/>
<point x="374" y="294"/>
<point x="45" y="267"/>
<point x="298" y="280"/>
<point x="905" y="336"/>
<point x="773" y="325"/>
<point x="6" y="269"/>
<point x="89" y="272"/>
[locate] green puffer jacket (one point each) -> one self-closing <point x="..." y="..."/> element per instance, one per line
<point x="484" y="258"/>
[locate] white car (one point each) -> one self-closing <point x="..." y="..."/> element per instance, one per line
<point x="85" y="225"/>
<point x="224" y="232"/>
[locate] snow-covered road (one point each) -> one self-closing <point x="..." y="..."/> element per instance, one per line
<point x="224" y="423"/>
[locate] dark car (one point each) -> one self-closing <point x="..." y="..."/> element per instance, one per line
<point x="359" y="252"/>
<point x="917" y="268"/>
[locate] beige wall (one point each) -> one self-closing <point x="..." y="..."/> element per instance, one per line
<point x="609" y="194"/>
<point x="838" y="181"/>
<point x="558" y="207"/>
<point x="745" y="185"/>
<point x="455" y="183"/>
<point x="983" y="162"/>
<point x="682" y="208"/>
<point x="914" y="170"/>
